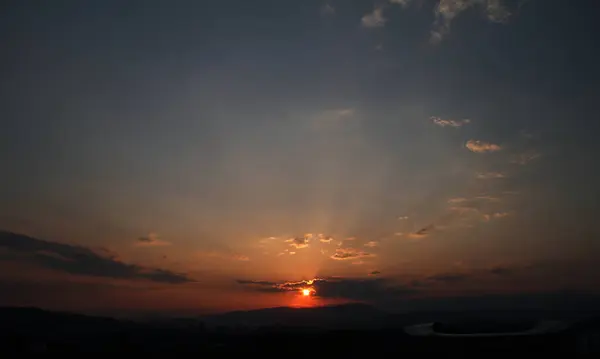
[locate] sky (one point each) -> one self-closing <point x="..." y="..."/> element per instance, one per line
<point x="206" y="156"/>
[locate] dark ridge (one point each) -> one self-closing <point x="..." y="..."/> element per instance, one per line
<point x="24" y="330"/>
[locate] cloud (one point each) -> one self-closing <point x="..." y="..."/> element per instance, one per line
<point x="335" y="115"/>
<point x="422" y="233"/>
<point x="496" y="12"/>
<point x="333" y="119"/>
<point x="225" y="255"/>
<point x="372" y="244"/>
<point x="481" y="147"/>
<point x="265" y="242"/>
<point x="374" y="19"/>
<point x="402" y="218"/>
<point x="490" y="175"/>
<point x="375" y="272"/>
<point x="325" y="239"/>
<point x="502" y="271"/>
<point x="526" y="134"/>
<point x="240" y="257"/>
<point x="350" y="253"/>
<point x="151" y="240"/>
<point x="448" y="278"/>
<point x="487" y="198"/>
<point x="473" y="205"/>
<point x="497" y="215"/>
<point x="256" y="282"/>
<point x="300" y="242"/>
<point x="327" y="10"/>
<point x="447" y="10"/>
<point x="525" y="158"/>
<point x="368" y="289"/>
<point x="404" y="3"/>
<point x="457" y="200"/>
<point x="449" y="123"/>
<point x="82" y="260"/>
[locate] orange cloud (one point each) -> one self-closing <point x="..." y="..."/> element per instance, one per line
<point x="300" y="242"/>
<point x="481" y="146"/>
<point x="350" y="253"/>
<point x="325" y="239"/>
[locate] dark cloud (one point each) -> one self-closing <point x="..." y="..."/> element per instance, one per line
<point x="151" y="240"/>
<point x="425" y="230"/>
<point x="449" y="278"/>
<point x="84" y="261"/>
<point x="375" y="272"/>
<point x="422" y="233"/>
<point x="368" y="289"/>
<point x="256" y="282"/>
<point x="300" y="242"/>
<point x="502" y="271"/>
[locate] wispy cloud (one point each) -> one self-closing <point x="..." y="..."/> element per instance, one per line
<point x="264" y="242"/>
<point x="457" y="200"/>
<point x="82" y="260"/>
<point x="151" y="240"/>
<point x="497" y="215"/>
<point x="449" y="123"/>
<point x="327" y="10"/>
<point x="374" y="19"/>
<point x="225" y="255"/>
<point x="350" y="253"/>
<point x="371" y="244"/>
<point x="402" y="218"/>
<point x="404" y="3"/>
<point x="463" y="205"/>
<point x="447" y="10"/>
<point x="496" y="12"/>
<point x="422" y="233"/>
<point x="333" y="118"/>
<point x="525" y="158"/>
<point x="240" y="257"/>
<point x="481" y="146"/>
<point x="490" y="175"/>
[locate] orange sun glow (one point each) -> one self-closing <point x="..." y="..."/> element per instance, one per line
<point x="305" y="292"/>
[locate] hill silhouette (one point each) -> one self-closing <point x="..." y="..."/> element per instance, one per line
<point x="332" y="332"/>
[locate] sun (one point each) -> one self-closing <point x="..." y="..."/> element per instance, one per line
<point x="306" y="292"/>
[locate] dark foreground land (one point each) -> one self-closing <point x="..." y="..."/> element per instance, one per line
<point x="32" y="330"/>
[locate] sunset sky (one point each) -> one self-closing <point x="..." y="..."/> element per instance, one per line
<point x="207" y="156"/>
